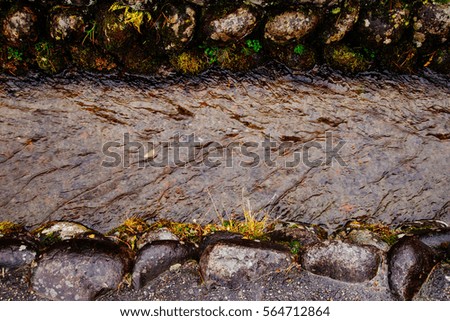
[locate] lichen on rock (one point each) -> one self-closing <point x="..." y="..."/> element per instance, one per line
<point x="290" y="26"/>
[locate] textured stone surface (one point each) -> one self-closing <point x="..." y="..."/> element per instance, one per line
<point x="15" y="253"/>
<point x="65" y="25"/>
<point x="157" y="257"/>
<point x="293" y="285"/>
<point x="342" y="20"/>
<point x="233" y="26"/>
<point x="432" y="23"/>
<point x="20" y="27"/>
<point x="381" y="26"/>
<point x="410" y="262"/>
<point x="79" y="270"/>
<point x="365" y="237"/>
<point x="290" y="25"/>
<point x="216" y="237"/>
<point x="440" y="241"/>
<point x="162" y="234"/>
<point x="342" y="261"/>
<point x="437" y="286"/>
<point x="178" y="27"/>
<point x="51" y="154"/>
<point x="233" y="263"/>
<point x="57" y="231"/>
<point x="301" y="234"/>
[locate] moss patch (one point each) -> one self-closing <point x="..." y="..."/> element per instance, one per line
<point x="189" y="62"/>
<point x="384" y="232"/>
<point x="7" y="228"/>
<point x="344" y="58"/>
<point x="129" y="231"/>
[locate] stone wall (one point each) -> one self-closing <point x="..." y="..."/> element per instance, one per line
<point x="141" y="36"/>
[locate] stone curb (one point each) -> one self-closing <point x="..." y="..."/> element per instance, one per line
<point x="86" y="265"/>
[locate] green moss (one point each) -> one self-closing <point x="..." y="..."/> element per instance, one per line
<point x="186" y="232"/>
<point x="189" y="63"/>
<point x="384" y="232"/>
<point x="344" y="58"/>
<point x="129" y="231"/>
<point x="9" y="228"/>
<point x="295" y="247"/>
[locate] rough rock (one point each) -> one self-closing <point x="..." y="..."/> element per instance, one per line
<point x="382" y="26"/>
<point x="439" y="241"/>
<point x="432" y="23"/>
<point x="15" y="252"/>
<point x="79" y="270"/>
<point x="365" y="237"/>
<point x="233" y="263"/>
<point x="20" y="27"/>
<point x="233" y="26"/>
<point x="341" y="21"/>
<point x="116" y="34"/>
<point x="342" y="261"/>
<point x="410" y="262"/>
<point x="217" y="237"/>
<point x="57" y="231"/>
<point x="157" y="257"/>
<point x="162" y="234"/>
<point x="65" y="25"/>
<point x="290" y="25"/>
<point x="178" y="27"/>
<point x="301" y="234"/>
<point x="437" y="285"/>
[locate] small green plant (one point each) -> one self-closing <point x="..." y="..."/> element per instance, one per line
<point x="131" y="16"/>
<point x="90" y="34"/>
<point x="299" y="49"/>
<point x="252" y="46"/>
<point x="295" y="247"/>
<point x="212" y="54"/>
<point x="14" y="54"/>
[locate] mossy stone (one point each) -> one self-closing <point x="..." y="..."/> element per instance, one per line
<point x="344" y="58"/>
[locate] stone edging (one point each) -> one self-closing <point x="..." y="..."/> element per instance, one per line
<point x="68" y="261"/>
